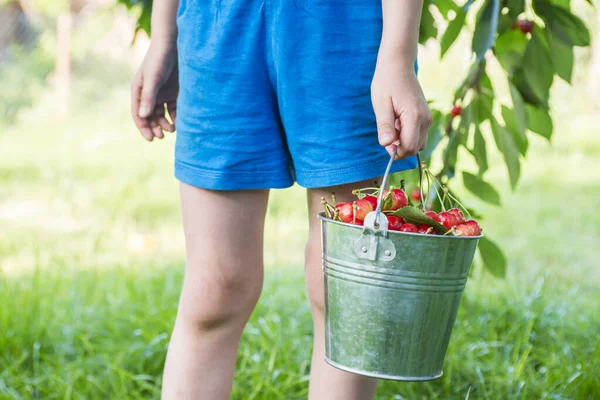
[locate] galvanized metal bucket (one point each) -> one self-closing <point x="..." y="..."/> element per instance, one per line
<point x="391" y="297"/>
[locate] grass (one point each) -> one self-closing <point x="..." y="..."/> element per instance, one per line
<point x="91" y="256"/>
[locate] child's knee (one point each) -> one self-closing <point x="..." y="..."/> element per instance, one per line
<point x="219" y="300"/>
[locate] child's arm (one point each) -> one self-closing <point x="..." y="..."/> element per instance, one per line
<point x="164" y="22"/>
<point x="400" y="107"/>
<point x="156" y="81"/>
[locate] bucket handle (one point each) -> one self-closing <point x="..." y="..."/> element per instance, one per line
<point x="374" y="243"/>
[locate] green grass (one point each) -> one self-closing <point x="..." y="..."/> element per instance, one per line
<point x="91" y="260"/>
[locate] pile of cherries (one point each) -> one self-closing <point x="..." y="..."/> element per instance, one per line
<point x="355" y="212"/>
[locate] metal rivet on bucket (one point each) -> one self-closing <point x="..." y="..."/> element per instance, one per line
<point x="391" y="298"/>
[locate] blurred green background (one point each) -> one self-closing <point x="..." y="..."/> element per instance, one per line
<point x="92" y="255"/>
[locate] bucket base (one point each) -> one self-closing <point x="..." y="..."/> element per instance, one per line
<point x="382" y="376"/>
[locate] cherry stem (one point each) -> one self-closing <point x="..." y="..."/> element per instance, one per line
<point x="325" y="204"/>
<point x="459" y="204"/>
<point x="450" y="232"/>
<point x="354" y="207"/>
<point x="333" y="198"/>
<point x="435" y="185"/>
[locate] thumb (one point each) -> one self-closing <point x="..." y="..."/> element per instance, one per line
<point x="386" y="123"/>
<point x="148" y="97"/>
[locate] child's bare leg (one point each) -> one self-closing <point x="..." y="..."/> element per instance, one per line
<point x="327" y="382"/>
<point x="223" y="280"/>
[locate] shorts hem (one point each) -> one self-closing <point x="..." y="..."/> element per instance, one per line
<point x="352" y="173"/>
<point x="227" y="180"/>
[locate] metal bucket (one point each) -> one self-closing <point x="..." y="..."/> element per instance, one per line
<point x="391" y="297"/>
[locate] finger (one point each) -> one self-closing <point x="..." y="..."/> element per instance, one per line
<point x="148" y="96"/>
<point x="425" y="125"/>
<point x="386" y="121"/>
<point x="424" y="132"/>
<point x="160" y="117"/>
<point x="409" y="136"/>
<point x="165" y="125"/>
<point x="172" y="109"/>
<point x="140" y="123"/>
<point x="156" y="131"/>
<point x="145" y="128"/>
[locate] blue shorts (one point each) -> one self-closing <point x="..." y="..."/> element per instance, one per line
<point x="278" y="91"/>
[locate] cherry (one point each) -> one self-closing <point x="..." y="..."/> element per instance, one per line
<point x="474" y="226"/>
<point x="363" y="207"/>
<point x="372" y="200"/>
<point x="394" y="200"/>
<point x="432" y="215"/>
<point x="345" y="211"/>
<point x="469" y="228"/>
<point x="525" y="26"/>
<point x="394" y="222"/>
<point x="456" y="110"/>
<point x="447" y="219"/>
<point x="415" y="195"/>
<point x="423" y="228"/>
<point x="458" y="214"/>
<point x="408" y="228"/>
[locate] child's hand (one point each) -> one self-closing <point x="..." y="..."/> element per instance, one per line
<point x="155" y="85"/>
<point x="403" y="116"/>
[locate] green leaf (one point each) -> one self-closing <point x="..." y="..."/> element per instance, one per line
<point x="493" y="257"/>
<point x="562" y="56"/>
<point x="435" y="135"/>
<point x="517" y="131"/>
<point x="563" y="24"/>
<point x="536" y="65"/>
<point x="515" y="8"/>
<point x="539" y="121"/>
<point x="451" y="152"/>
<point x="510" y="49"/>
<point x="508" y="148"/>
<point x="486" y="28"/>
<point x="479" y="151"/>
<point x="524" y="88"/>
<point x="428" y="29"/>
<point x="415" y="216"/>
<point x="482" y="107"/>
<point x="445" y="6"/>
<point x="452" y="31"/>
<point x="518" y="107"/>
<point x="481" y="188"/>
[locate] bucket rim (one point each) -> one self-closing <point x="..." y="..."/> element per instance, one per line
<point x="323" y="218"/>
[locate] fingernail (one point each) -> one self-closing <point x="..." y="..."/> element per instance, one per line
<point x="386" y="137"/>
<point x="144" y="111"/>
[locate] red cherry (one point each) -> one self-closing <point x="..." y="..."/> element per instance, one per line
<point x="408" y="228"/>
<point x="363" y="207"/>
<point x="372" y="200"/>
<point x="458" y="214"/>
<point x="415" y="195"/>
<point x="456" y="110"/>
<point x="423" y="228"/>
<point x="394" y="200"/>
<point x="474" y="226"/>
<point x="345" y="211"/>
<point x="447" y="219"/>
<point x="525" y="26"/>
<point x="394" y="222"/>
<point x="469" y="228"/>
<point x="432" y="215"/>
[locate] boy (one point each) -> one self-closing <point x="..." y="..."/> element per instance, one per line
<point x="266" y="93"/>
